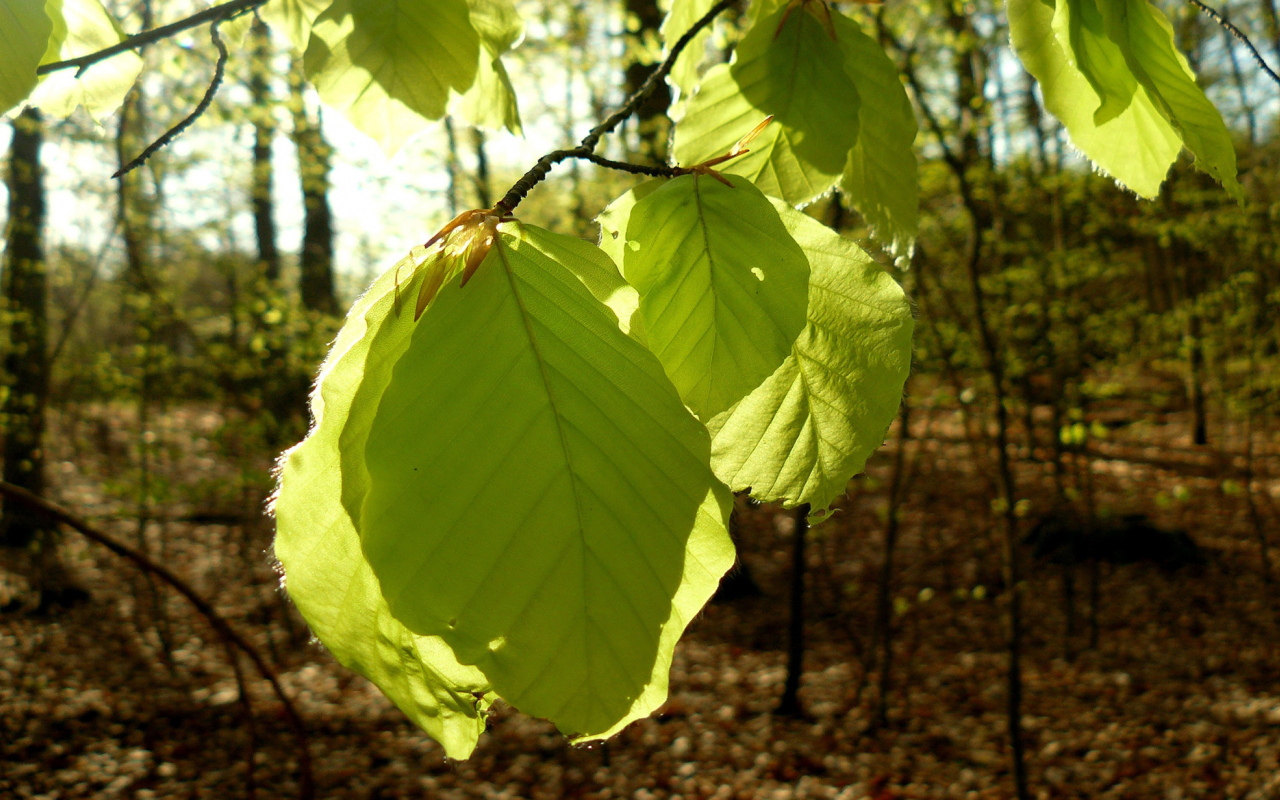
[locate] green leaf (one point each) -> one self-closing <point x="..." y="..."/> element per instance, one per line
<point x="723" y="286"/>
<point x="880" y="179"/>
<point x="810" y="427"/>
<point x="1109" y="71"/>
<point x="537" y="494"/>
<point x="390" y="67"/>
<point x="1146" y="38"/>
<point x="82" y="27"/>
<point x="25" y="29"/>
<point x="294" y="18"/>
<point x="797" y="78"/>
<point x="681" y="17"/>
<point x="326" y="574"/>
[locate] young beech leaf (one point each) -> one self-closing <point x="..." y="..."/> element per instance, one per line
<point x="723" y="286"/>
<point x="389" y="67"/>
<point x="880" y="178"/>
<point x="293" y="18"/>
<point x="325" y="571"/>
<point x="491" y="100"/>
<point x="81" y="27"/>
<point x="681" y="17"/>
<point x="534" y="492"/>
<point x="25" y="29"/>
<point x="1109" y="71"/>
<point x="810" y="427"/>
<point x="797" y="76"/>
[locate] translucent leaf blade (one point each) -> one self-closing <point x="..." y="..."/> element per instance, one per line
<point x="810" y="427"/>
<point x="326" y="574"/>
<point x="390" y="67"/>
<point x="294" y="19"/>
<point x="101" y="89"/>
<point x="681" y="17"/>
<point x="25" y="29"/>
<point x="799" y="79"/>
<point x="537" y="492"/>
<point x="880" y="179"/>
<point x="723" y="286"/>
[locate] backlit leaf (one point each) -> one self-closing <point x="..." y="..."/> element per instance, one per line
<point x="390" y="67"/>
<point x="82" y="27"/>
<point x="797" y="77"/>
<point x="491" y="100"/>
<point x="327" y="576"/>
<point x="810" y="427"/>
<point x="723" y="286"/>
<point x="880" y="179"/>
<point x="25" y="29"/>
<point x="537" y="495"/>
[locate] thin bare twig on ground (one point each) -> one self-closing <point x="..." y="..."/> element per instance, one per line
<point x="55" y="512"/>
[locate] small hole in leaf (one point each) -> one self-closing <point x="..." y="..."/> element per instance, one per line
<point x="759" y="273"/>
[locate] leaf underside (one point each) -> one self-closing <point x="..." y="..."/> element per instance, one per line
<point x="82" y="27"/>
<point x="390" y="67"/>
<point x="1109" y="71"/>
<point x="532" y="490"/>
<point x="24" y="33"/>
<point x="810" y="426"/>
<point x="326" y="574"/>
<point x="723" y="286"/>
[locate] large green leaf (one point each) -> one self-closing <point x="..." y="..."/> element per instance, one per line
<point x="880" y="178"/>
<point x="537" y="495"/>
<point x="390" y="67"/>
<point x="25" y="29"/>
<point x="491" y="100"/>
<point x="1109" y="71"/>
<point x="1146" y="38"/>
<point x="795" y="76"/>
<point x="681" y="17"/>
<point x="326" y="574"/>
<point x="810" y="427"/>
<point x="81" y="27"/>
<point x="723" y="286"/>
<point x="294" y="18"/>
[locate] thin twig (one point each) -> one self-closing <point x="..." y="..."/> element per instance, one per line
<point x="250" y="727"/>
<point x="588" y="146"/>
<point x="1236" y="32"/>
<point x="221" y="12"/>
<point x="218" y="70"/>
<point x="634" y="169"/>
<point x="306" y="785"/>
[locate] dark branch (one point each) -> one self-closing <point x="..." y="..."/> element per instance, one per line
<point x="219" y="12"/>
<point x="218" y="70"/>
<point x="1236" y="32"/>
<point x="588" y="146"/>
<point x="634" y="169"/>
<point x="306" y="786"/>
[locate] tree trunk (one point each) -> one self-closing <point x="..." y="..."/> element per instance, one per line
<point x="26" y="302"/>
<point x="264" y="131"/>
<point x="884" y="604"/>
<point x="1195" y="381"/>
<point x="790" y="704"/>
<point x="315" y="261"/>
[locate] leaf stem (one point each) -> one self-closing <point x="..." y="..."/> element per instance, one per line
<point x="586" y="149"/>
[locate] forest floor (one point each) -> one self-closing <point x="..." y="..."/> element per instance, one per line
<point x="128" y="695"/>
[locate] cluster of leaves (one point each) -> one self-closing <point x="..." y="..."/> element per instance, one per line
<point x="521" y="489"/>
